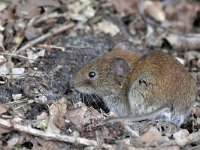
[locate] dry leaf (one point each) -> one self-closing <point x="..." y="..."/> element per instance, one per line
<point x="76" y="115"/>
<point x="27" y="10"/>
<point x="32" y="32"/>
<point x="83" y="115"/>
<point x="3" y="109"/>
<point x="57" y="113"/>
<point x="2" y="28"/>
<point x="81" y="10"/>
<point x="4" y="130"/>
<point x="92" y="114"/>
<point x="34" y="55"/>
<point x="154" y="10"/>
<point x="6" y="16"/>
<point x="16" y="72"/>
<point x="32" y="8"/>
<point x="193" y="58"/>
<point x="180" y="136"/>
<point x="89" y="12"/>
<point x="107" y="27"/>
<point x="152" y="136"/>
<point x="41" y="121"/>
<point x="45" y="3"/>
<point x="1" y="41"/>
<point x="53" y="145"/>
<point x="36" y="73"/>
<point x="12" y="141"/>
<point x="196" y="111"/>
<point x="126" y="6"/>
<point x="16" y="97"/>
<point x="182" y="14"/>
<point x="2" y="60"/>
<point x="2" y="6"/>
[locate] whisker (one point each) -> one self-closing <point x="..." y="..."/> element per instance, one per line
<point x="94" y="100"/>
<point x="105" y="108"/>
<point x="87" y="102"/>
<point x="73" y="97"/>
<point x="97" y="97"/>
<point x="83" y="97"/>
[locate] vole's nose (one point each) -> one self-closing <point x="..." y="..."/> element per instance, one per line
<point x="76" y="84"/>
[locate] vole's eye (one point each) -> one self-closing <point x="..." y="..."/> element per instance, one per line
<point x="92" y="74"/>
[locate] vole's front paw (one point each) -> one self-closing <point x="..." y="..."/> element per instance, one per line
<point x="112" y="114"/>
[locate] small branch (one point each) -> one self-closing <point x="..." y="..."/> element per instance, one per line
<point x="48" y="136"/>
<point x="49" y="16"/>
<point x="52" y="46"/>
<point x="63" y="48"/>
<point x="131" y="131"/>
<point x="183" y="41"/>
<point x="51" y="33"/>
<point x="16" y="55"/>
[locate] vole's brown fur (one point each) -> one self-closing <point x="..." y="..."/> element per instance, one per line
<point x="161" y="79"/>
<point x="151" y="82"/>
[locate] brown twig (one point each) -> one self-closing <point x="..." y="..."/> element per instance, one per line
<point x="183" y="41"/>
<point x="51" y="33"/>
<point x="52" y="46"/>
<point x="16" y="55"/>
<point x="42" y="18"/>
<point x="46" y="135"/>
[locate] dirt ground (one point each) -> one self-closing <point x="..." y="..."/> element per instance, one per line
<point x="44" y="43"/>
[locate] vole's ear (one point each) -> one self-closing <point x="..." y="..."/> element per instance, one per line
<point x="119" y="66"/>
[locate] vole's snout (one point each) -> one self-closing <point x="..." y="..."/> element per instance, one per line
<point x="76" y="84"/>
<point x="76" y="81"/>
<point x="80" y="83"/>
<point x="72" y="82"/>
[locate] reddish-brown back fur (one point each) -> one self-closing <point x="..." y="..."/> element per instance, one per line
<point x="169" y="81"/>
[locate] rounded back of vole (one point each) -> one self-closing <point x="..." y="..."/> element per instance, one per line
<point x="161" y="80"/>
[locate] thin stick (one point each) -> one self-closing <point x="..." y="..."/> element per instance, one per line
<point x="48" y="136"/>
<point x="63" y="48"/>
<point x="51" y="33"/>
<point x="183" y="41"/>
<point x="131" y="131"/>
<point x="16" y="55"/>
<point x="52" y="46"/>
<point x="46" y="17"/>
